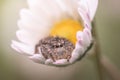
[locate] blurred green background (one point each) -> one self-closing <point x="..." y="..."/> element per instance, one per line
<point x="14" y="66"/>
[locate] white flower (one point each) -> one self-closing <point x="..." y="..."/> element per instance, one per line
<point x="35" y="23"/>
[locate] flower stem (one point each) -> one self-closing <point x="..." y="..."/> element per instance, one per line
<point x="97" y="51"/>
<point x="102" y="61"/>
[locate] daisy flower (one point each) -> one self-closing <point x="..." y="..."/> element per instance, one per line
<point x="55" y="32"/>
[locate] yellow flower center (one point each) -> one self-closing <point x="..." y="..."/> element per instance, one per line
<point x="67" y="29"/>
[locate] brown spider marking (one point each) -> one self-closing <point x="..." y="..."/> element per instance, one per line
<point x="55" y="48"/>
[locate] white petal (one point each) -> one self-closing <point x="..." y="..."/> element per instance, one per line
<point x="77" y="52"/>
<point x="88" y="33"/>
<point x="33" y="28"/>
<point x="49" y="8"/>
<point x="49" y="61"/>
<point x="37" y="8"/>
<point x="31" y="20"/>
<point x="27" y="37"/>
<point x="90" y="6"/>
<point x="88" y="25"/>
<point x="23" y="48"/>
<point x="54" y="9"/>
<point x="84" y="15"/>
<point x="79" y="36"/>
<point x="38" y="58"/>
<point x="16" y="48"/>
<point x="69" y="7"/>
<point x="84" y="38"/>
<point x="61" y="62"/>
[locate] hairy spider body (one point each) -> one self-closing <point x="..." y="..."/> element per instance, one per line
<point x="55" y="48"/>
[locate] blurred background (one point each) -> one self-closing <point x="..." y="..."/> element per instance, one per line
<point x="14" y="66"/>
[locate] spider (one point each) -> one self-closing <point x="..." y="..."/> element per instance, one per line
<point x="55" y="48"/>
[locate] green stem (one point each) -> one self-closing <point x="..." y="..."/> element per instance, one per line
<point x="97" y="51"/>
<point x="102" y="61"/>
